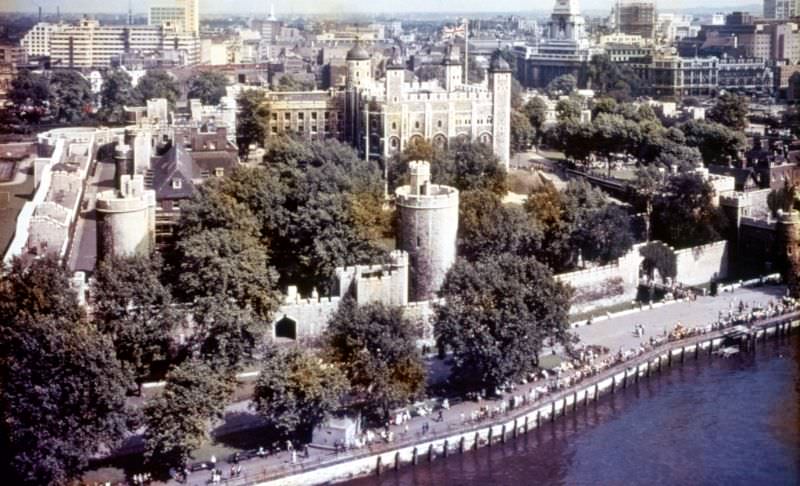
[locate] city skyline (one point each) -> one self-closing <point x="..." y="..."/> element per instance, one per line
<point x="346" y="7"/>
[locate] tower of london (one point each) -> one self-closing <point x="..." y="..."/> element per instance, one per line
<point x="381" y="117"/>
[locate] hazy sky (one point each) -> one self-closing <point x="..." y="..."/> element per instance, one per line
<point x="341" y="6"/>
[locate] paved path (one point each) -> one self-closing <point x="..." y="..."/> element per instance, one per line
<point x="83" y="248"/>
<point x="611" y="333"/>
<point x="618" y="331"/>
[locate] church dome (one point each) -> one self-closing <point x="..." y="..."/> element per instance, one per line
<point x="358" y="53"/>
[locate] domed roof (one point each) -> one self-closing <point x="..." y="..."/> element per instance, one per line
<point x="358" y="53"/>
<point x="498" y="63"/>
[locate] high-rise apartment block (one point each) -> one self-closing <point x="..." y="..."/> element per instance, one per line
<point x="89" y="44"/>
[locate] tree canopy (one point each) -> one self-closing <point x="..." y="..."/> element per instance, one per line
<point x="63" y="392"/>
<point x="178" y="420"/>
<point x="463" y="165"/>
<point x="499" y="313"/>
<point x="684" y="214"/>
<point x="297" y="390"/>
<point x="135" y="309"/>
<point x="251" y="121"/>
<point x="375" y="346"/>
<point x="487" y="228"/>
<point x="116" y="93"/>
<point x="208" y="86"/>
<point x="730" y="110"/>
<point x="157" y="83"/>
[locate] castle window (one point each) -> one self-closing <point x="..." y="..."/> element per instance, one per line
<point x="300" y="116"/>
<point x="439" y="124"/>
<point x="394" y="126"/>
<point x="274" y="129"/>
<point x="274" y="117"/>
<point x="219" y="171"/>
<point x="416" y="124"/>
<point x="177" y="183"/>
<point x="327" y="114"/>
<point x="287" y="116"/>
<point x="313" y="115"/>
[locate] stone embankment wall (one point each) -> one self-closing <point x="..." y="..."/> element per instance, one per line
<point x="557" y="405"/>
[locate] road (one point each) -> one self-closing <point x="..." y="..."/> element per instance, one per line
<point x="83" y="248"/>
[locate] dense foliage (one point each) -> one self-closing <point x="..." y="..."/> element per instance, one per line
<point x="297" y="390"/>
<point x="499" y="314"/>
<point x="375" y="346"/>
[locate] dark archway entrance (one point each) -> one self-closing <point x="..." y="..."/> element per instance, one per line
<point x="286" y="328"/>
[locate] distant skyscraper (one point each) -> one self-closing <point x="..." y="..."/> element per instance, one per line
<point x="780" y="9"/>
<point x="181" y="14"/>
<point x="636" y="17"/>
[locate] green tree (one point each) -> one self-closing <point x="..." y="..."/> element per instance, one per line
<point x="536" y="111"/>
<point x="717" y="143"/>
<point x="287" y="82"/>
<point x="563" y="85"/>
<point x="522" y="132"/>
<point x="684" y="214"/>
<point x="647" y="184"/>
<point x="178" y="420"/>
<point x="251" y="121"/>
<point x="63" y="399"/>
<point x="157" y="83"/>
<point x="225" y="335"/>
<point x="487" y="229"/>
<point x="31" y="95"/>
<point x="228" y="263"/>
<point x="135" y="309"/>
<point x="464" y="165"/>
<point x="730" y="110"/>
<point x="116" y="93"/>
<point x="71" y="100"/>
<point x="568" y="110"/>
<point x="605" y="234"/>
<point x="612" y="79"/>
<point x="498" y="315"/>
<point x="375" y="346"/>
<point x="37" y="287"/>
<point x="208" y="86"/>
<point x="297" y="390"/>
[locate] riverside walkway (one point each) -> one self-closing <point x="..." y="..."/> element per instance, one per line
<point x="612" y="333"/>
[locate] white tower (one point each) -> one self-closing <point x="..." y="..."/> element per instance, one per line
<point x="500" y="86"/>
<point x="427" y="230"/>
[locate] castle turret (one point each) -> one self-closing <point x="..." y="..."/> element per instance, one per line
<point x="395" y="77"/>
<point x="359" y="67"/>
<point x="427" y="230"/>
<point x="126" y="219"/>
<point x="500" y="86"/>
<point x="453" y="71"/>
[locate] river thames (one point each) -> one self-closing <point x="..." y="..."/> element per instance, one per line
<point x="733" y="421"/>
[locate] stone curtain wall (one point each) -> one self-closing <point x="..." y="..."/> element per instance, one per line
<point x="701" y="264"/>
<point x="606" y="285"/>
<point x="617" y="282"/>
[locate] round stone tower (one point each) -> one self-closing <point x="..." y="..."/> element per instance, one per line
<point x="428" y="224"/>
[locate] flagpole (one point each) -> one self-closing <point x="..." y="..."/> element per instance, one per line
<point x="466" y="51"/>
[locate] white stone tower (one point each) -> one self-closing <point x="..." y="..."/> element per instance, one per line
<point x="453" y="71"/>
<point x="126" y="219"/>
<point x="500" y="86"/>
<point x="359" y="67"/>
<point x="427" y="230"/>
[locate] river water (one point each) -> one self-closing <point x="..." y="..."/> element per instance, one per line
<point x="733" y="421"/>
